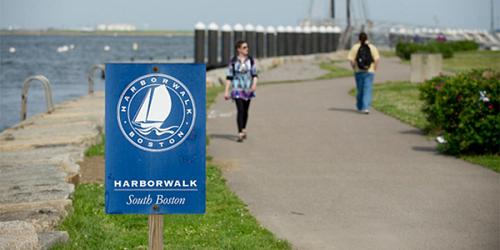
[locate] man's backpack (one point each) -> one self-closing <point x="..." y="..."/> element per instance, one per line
<point x="364" y="57"/>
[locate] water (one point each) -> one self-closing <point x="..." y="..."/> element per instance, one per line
<point x="67" y="70"/>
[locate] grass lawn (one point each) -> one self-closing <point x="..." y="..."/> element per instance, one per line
<point x="463" y="61"/>
<point x="472" y="59"/>
<point x="387" y="53"/>
<point x="333" y="70"/>
<point x="227" y="223"/>
<point x="400" y="100"/>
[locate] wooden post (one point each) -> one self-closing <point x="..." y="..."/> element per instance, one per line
<point x="155" y="223"/>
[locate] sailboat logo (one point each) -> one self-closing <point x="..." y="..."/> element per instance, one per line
<point x="156" y="112"/>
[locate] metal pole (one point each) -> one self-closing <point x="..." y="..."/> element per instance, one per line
<point x="155" y="224"/>
<point x="492" y="17"/>
<point x="348" y="13"/>
<point x="349" y="29"/>
<point x="332" y="9"/>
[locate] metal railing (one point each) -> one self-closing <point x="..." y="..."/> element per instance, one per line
<point x="47" y="89"/>
<point x="90" y="77"/>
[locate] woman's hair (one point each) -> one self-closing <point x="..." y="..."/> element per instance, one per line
<point x="363" y="37"/>
<point x="238" y="44"/>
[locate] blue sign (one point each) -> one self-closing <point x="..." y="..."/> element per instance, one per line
<point x="155" y="138"/>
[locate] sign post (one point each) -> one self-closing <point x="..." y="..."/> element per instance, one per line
<point x="155" y="141"/>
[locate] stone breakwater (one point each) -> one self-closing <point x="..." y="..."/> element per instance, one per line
<point x="39" y="170"/>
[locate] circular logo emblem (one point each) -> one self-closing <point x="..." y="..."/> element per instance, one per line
<point x="156" y="112"/>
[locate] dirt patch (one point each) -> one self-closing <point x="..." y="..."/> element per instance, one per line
<point x="92" y="170"/>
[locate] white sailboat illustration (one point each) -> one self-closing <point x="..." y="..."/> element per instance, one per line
<point x="155" y="109"/>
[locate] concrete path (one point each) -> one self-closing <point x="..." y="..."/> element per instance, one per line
<point x="38" y="169"/>
<point x="322" y="176"/>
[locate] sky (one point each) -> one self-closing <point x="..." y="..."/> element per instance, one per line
<point x="184" y="14"/>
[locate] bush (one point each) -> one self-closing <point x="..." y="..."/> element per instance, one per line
<point x="404" y="50"/>
<point x="466" y="109"/>
<point x="463" y="45"/>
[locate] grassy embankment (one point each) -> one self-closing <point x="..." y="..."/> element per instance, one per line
<point x="334" y="71"/>
<point x="401" y="99"/>
<point x="227" y="223"/>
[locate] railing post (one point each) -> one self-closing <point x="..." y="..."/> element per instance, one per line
<point x="48" y="94"/>
<point x="90" y="76"/>
<point x="199" y="43"/>
<point x="271" y="42"/>
<point x="250" y="39"/>
<point x="226" y="44"/>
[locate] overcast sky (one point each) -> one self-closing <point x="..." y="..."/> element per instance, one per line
<point x="183" y="14"/>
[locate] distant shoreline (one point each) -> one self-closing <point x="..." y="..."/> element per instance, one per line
<point x="95" y="33"/>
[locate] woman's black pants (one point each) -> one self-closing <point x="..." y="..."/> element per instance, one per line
<point x="242" y="116"/>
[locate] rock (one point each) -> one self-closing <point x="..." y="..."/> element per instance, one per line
<point x="43" y="215"/>
<point x="18" y="235"/>
<point x="49" y="239"/>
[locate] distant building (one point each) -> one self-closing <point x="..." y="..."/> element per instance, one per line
<point x="115" y="27"/>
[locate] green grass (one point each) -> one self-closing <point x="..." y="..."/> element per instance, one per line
<point x="212" y="93"/>
<point x="97" y="149"/>
<point x="462" y="61"/>
<point x="490" y="161"/>
<point x="387" y="53"/>
<point x="227" y="223"/>
<point x="333" y="71"/>
<point x="401" y="100"/>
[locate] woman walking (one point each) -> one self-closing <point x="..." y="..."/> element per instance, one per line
<point x="364" y="59"/>
<point x="242" y="79"/>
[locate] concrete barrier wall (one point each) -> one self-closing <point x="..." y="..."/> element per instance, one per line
<point x="425" y="66"/>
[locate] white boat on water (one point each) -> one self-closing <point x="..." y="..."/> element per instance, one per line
<point x="155" y="109"/>
<point x="63" y="49"/>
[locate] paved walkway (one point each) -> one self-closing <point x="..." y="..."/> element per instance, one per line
<point x="322" y="176"/>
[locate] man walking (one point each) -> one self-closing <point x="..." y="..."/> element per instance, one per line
<point x="364" y="59"/>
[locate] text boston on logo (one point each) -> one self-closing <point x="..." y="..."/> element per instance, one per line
<point x="156" y="112"/>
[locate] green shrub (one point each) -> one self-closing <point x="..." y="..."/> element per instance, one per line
<point x="466" y="109"/>
<point x="404" y="50"/>
<point x="463" y="45"/>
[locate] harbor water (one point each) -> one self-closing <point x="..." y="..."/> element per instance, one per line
<point x="66" y="60"/>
